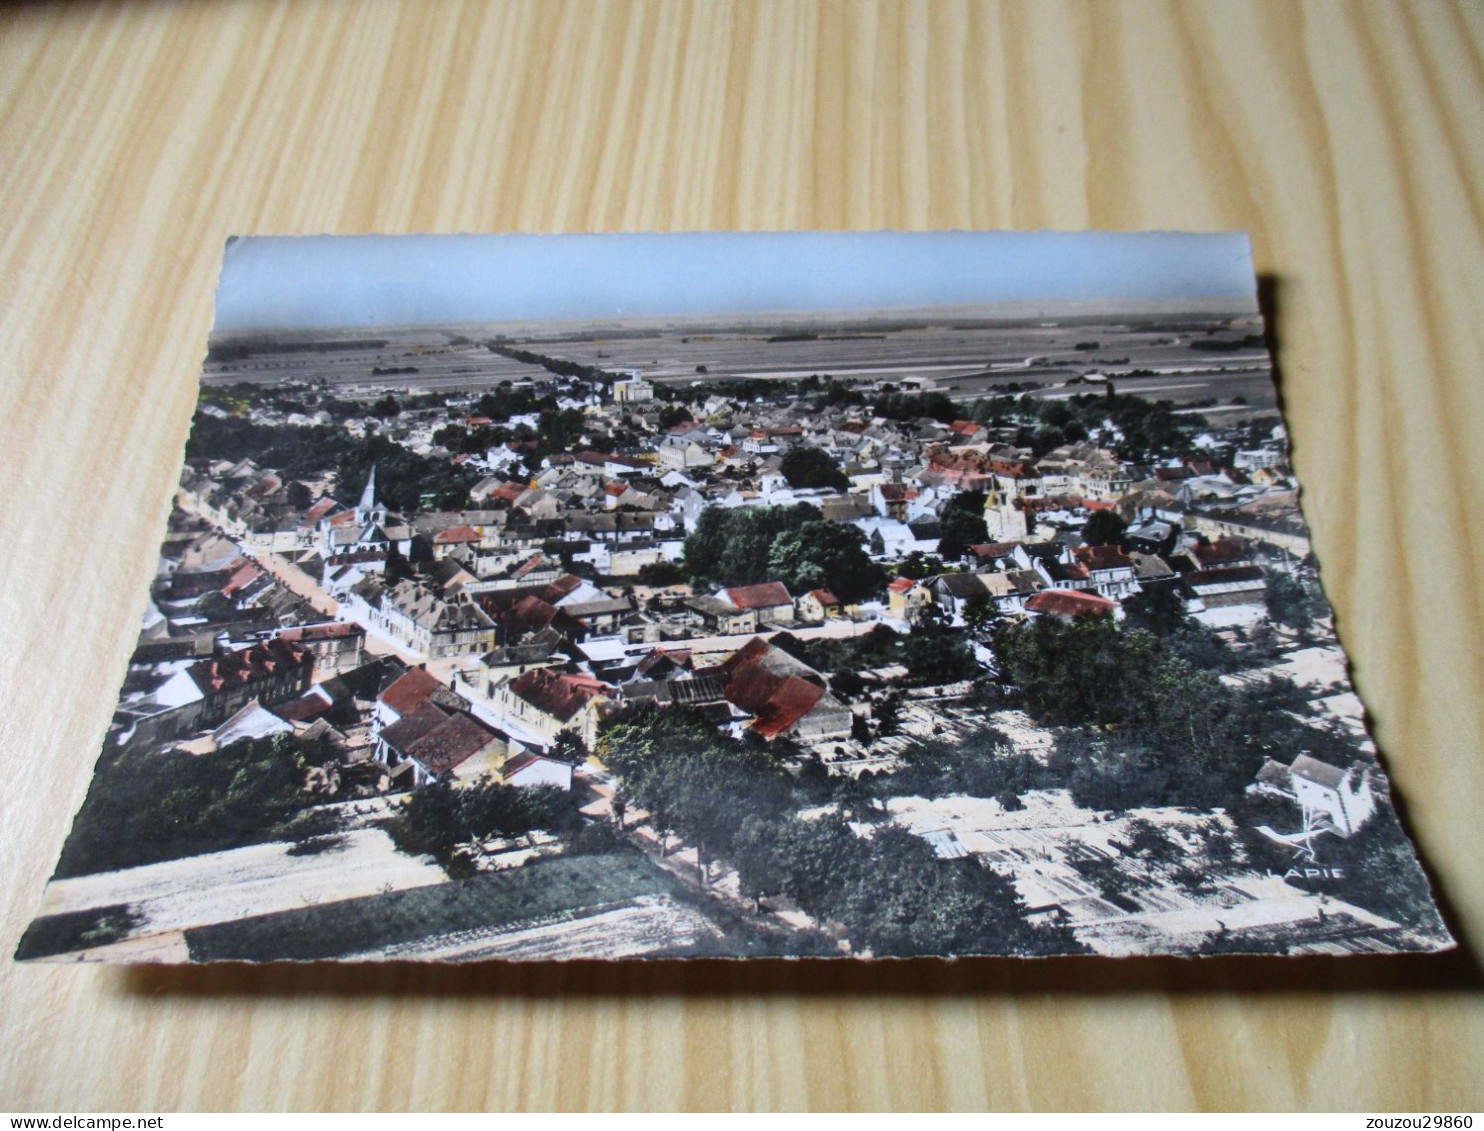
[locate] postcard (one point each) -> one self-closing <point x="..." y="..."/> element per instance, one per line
<point x="803" y="594"/>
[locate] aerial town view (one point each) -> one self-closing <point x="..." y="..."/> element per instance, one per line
<point x="930" y="629"/>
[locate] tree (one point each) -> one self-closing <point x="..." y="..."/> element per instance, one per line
<point x="1103" y="528"/>
<point x="661" y="573"/>
<point x="825" y="554"/>
<point x="812" y="467"/>
<point x="963" y="525"/>
<point x="147" y="805"/>
<point x="1156" y="608"/>
<point x="937" y="654"/>
<point x="732" y="546"/>
<point x="674" y="414"/>
<point x="979" y="611"/>
<point x="1289" y="602"/>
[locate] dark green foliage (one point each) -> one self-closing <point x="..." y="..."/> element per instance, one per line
<point x="825" y="555"/>
<point x="846" y="683"/>
<point x="1380" y="871"/>
<point x="1158" y="727"/>
<point x="732" y="546"/>
<point x="1156" y="608"/>
<point x="908" y="406"/>
<point x="558" y="365"/>
<point x="661" y="573"/>
<point x="239" y="348"/>
<point x="145" y="806"/>
<point x="963" y="525"/>
<point x="1148" y="427"/>
<point x="405" y="482"/>
<point x="938" y="654"/>
<point x="812" y="467"/>
<point x="890" y="891"/>
<point x="505" y="401"/>
<point x="895" y="897"/>
<point x="982" y="765"/>
<point x="692" y="781"/>
<point x="1292" y="602"/>
<point x="1104" y="528"/>
<point x="917" y="565"/>
<point x="673" y="414"/>
<point x="438" y="817"/>
<point x="403" y="479"/>
<point x="77" y="930"/>
<point x="931" y="653"/>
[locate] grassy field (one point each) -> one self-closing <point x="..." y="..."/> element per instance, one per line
<point x="498" y="899"/>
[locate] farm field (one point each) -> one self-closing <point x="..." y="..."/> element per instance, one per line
<point x="546" y="909"/>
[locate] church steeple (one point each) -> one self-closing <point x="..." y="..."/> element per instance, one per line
<point x="366" y="511"/>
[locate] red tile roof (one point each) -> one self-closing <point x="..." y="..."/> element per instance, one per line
<point x="662" y="657"/>
<point x="767" y="595"/>
<point x="557" y="693"/>
<point x="1103" y="557"/>
<point x="1225" y="549"/>
<point x="246" y="574"/>
<point x="1069" y="603"/>
<point x="515" y="765"/>
<point x="824" y="597"/>
<point x="529" y="614"/>
<point x="901" y="585"/>
<point x="410" y="691"/>
<point x="561" y="587"/>
<point x="535" y="563"/>
<point x="456" y="534"/>
<point x="454" y="742"/>
<point x="993" y="549"/>
<point x="248" y="665"/>
<point x="776" y="700"/>
<point x="318" y="511"/>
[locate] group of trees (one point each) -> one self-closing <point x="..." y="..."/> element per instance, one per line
<point x="147" y="805"/>
<point x="812" y="467"/>
<point x="889" y="890"/>
<point x="963" y="526"/>
<point x="438" y="818"/>
<point x="895" y="405"/>
<point x="1294" y="602"/>
<point x="1147" y="427"/>
<point x="792" y="544"/>
<point x="557" y="430"/>
<point x="932" y="653"/>
<point x="561" y="366"/>
<point x="982" y="764"/>
<point x="404" y="480"/>
<point x="1156" y="725"/>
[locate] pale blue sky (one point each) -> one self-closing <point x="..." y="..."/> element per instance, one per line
<point x="290" y="282"/>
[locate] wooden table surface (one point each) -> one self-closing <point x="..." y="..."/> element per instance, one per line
<point x="1347" y="137"/>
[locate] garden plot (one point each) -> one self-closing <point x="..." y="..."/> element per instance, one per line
<point x="646" y="925"/>
<point x="554" y="907"/>
<point x="256" y="880"/>
<point x="1039" y="846"/>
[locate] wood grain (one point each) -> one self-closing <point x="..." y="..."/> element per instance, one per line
<point x="1348" y="137"/>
